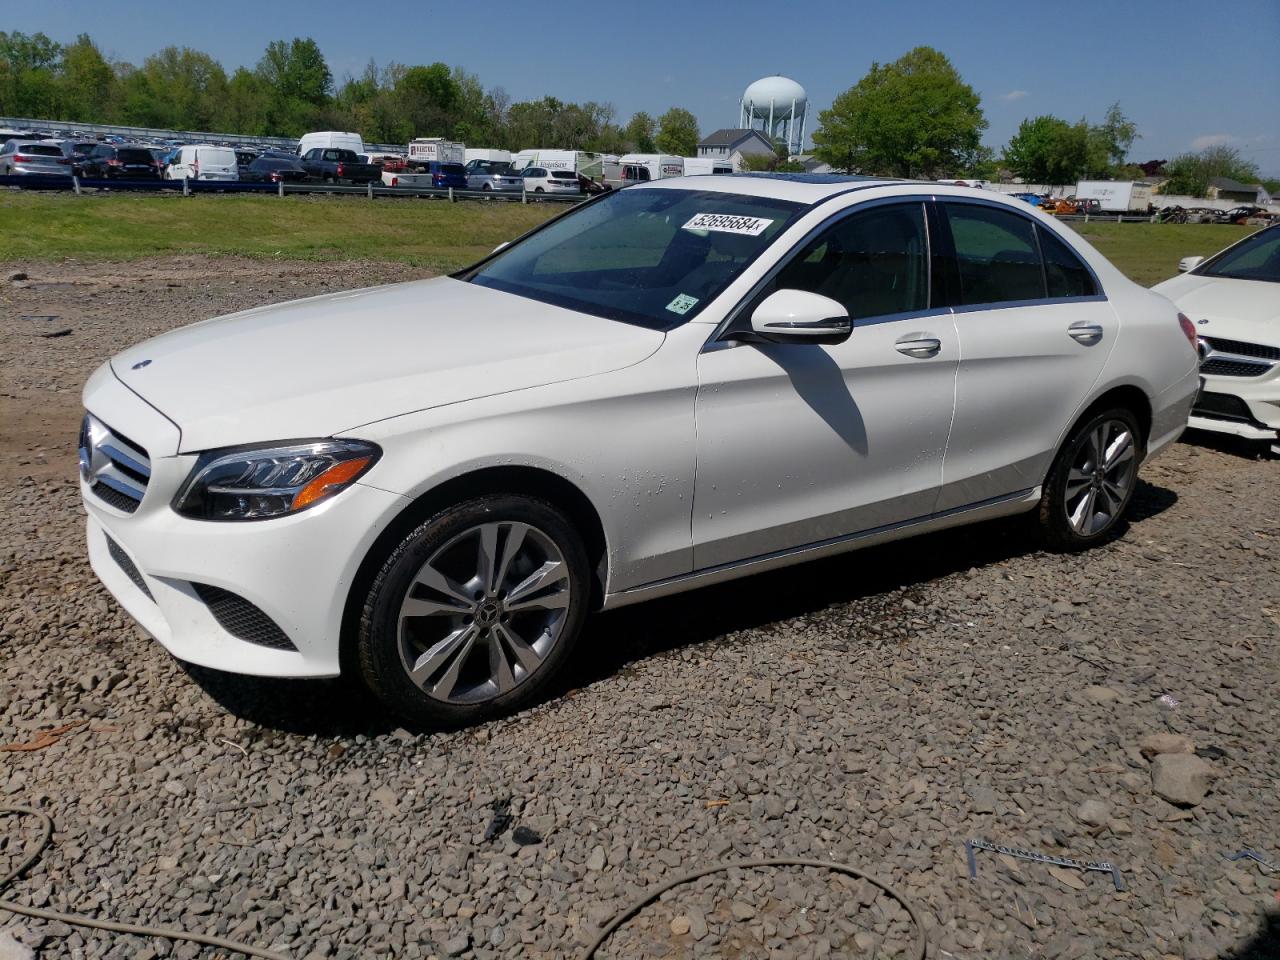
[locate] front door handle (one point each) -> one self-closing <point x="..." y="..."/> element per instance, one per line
<point x="1085" y="331"/>
<point x="918" y="345"/>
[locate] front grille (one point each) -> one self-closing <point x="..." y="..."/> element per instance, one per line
<point x="1222" y="406"/>
<point x="1242" y="349"/>
<point x="1218" y="366"/>
<point x="116" y="469"/>
<point x="242" y="619"/>
<point x="129" y="567"/>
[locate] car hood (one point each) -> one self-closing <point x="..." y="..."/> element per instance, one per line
<point x="1247" y="310"/>
<point x="328" y="364"/>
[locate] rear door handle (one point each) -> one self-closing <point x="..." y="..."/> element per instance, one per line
<point x="1085" y="331"/>
<point x="918" y="345"/>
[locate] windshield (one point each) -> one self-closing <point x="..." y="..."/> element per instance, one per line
<point x="135" y="156"/>
<point x="1257" y="258"/>
<point x="650" y="257"/>
<point x="40" y="150"/>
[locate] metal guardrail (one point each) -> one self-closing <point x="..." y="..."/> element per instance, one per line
<point x="370" y="190"/>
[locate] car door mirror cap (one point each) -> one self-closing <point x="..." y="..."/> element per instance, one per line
<point x="798" y="316"/>
<point x="1187" y="264"/>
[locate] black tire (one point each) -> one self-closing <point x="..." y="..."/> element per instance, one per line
<point x="382" y="663"/>
<point x="486" y="186"/>
<point x="1054" y="517"/>
<point x="538" y="190"/>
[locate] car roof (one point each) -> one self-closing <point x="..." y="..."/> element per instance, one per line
<point x="813" y="188"/>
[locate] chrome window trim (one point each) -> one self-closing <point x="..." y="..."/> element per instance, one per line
<point x="716" y="341"/>
<point x="1014" y="211"/>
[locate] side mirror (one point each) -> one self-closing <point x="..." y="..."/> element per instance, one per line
<point x="1189" y="263"/>
<point x="798" y="316"/>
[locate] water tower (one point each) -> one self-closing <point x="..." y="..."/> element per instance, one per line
<point x="779" y="107"/>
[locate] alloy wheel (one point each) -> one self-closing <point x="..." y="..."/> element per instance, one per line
<point x="1101" y="478"/>
<point x="484" y="612"/>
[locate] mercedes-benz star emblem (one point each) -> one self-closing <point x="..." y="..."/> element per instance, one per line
<point x="141" y="363"/>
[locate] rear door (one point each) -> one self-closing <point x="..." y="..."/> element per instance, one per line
<point x="1035" y="331"/>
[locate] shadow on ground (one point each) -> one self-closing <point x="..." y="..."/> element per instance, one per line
<point x="617" y="639"/>
<point x="1228" y="444"/>
<point x="1264" y="945"/>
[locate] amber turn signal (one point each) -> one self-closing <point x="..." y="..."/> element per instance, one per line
<point x="336" y="476"/>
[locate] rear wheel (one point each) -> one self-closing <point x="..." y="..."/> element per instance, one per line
<point x="476" y="611"/>
<point x="539" y="190"/>
<point x="1092" y="480"/>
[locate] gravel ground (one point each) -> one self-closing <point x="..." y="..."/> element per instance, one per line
<point x="877" y="709"/>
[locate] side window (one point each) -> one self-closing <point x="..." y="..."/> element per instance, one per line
<point x="876" y="262"/>
<point x="997" y="254"/>
<point x="1065" y="275"/>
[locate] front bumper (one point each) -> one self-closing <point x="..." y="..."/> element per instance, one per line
<point x="1242" y="406"/>
<point x="294" y="571"/>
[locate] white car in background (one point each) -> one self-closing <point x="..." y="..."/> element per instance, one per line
<point x="544" y="180"/>
<point x="431" y="484"/>
<point x="1233" y="298"/>
<point x="203" y="162"/>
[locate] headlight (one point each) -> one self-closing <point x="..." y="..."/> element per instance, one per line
<point x="257" y="484"/>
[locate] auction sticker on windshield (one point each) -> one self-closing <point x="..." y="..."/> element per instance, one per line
<point x="682" y="304"/>
<point x="728" y="223"/>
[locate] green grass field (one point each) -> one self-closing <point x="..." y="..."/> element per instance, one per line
<point x="1149" y="252"/>
<point x="430" y="233"/>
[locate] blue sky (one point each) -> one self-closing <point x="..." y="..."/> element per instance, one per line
<point x="1181" y="71"/>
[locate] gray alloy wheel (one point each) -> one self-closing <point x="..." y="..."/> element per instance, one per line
<point x="483" y="613"/>
<point x="1093" y="478"/>
<point x="1101" y="479"/>
<point x="476" y="612"/>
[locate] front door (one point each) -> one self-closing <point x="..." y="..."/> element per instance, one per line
<point x="801" y="443"/>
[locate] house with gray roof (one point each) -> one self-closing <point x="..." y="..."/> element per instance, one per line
<point x="734" y="144"/>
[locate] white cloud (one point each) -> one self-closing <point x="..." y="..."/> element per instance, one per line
<point x="1014" y="95"/>
<point x="1214" y="140"/>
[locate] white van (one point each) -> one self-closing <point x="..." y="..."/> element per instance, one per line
<point x="643" y="167"/>
<point x="203" y="162"/>
<point x="479" y="153"/>
<point x="331" y="140"/>
<point x="579" y="161"/>
<point x="697" y="166"/>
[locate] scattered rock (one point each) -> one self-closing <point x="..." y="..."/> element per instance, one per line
<point x="1181" y="778"/>
<point x="1155" y="744"/>
<point x="680" y="926"/>
<point x="1101" y="695"/>
<point x="982" y="799"/>
<point x="1093" y="813"/>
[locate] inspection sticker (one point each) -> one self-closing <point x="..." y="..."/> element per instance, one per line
<point x="682" y="304"/>
<point x="728" y="223"/>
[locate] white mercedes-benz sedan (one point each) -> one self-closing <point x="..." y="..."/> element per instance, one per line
<point x="430" y="485"/>
<point x="1234" y="299"/>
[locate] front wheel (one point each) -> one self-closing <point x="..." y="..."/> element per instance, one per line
<point x="539" y="190"/>
<point x="1092" y="480"/>
<point x="476" y="611"/>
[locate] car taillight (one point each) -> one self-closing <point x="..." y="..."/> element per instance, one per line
<point x="113" y="162"/>
<point x="1188" y="328"/>
<point x="339" y="169"/>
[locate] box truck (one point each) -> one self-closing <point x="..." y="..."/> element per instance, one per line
<point x="427" y="150"/>
<point x="1116" y="196"/>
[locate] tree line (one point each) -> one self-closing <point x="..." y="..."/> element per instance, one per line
<point x="291" y="91"/>
<point x="913" y="118"/>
